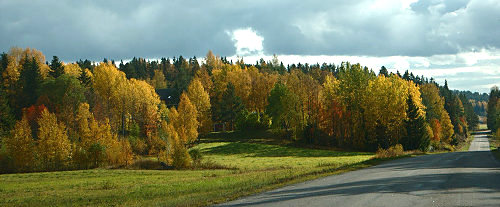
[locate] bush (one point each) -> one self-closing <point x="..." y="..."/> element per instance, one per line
<point x="6" y="162"/>
<point x="251" y="121"/>
<point x="97" y="153"/>
<point x="393" y="151"/>
<point x="138" y="145"/>
<point x="146" y="164"/>
<point x="180" y="157"/>
<point x="196" y="156"/>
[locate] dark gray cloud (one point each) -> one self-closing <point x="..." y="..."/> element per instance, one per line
<point x="122" y="29"/>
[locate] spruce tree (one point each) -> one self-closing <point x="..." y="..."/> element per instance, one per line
<point x="3" y="65"/>
<point x="56" y="66"/>
<point x="231" y="105"/>
<point x="7" y="119"/>
<point x="492" y="109"/>
<point x="84" y="77"/>
<point x="416" y="134"/>
<point x="29" y="79"/>
<point x="383" y="71"/>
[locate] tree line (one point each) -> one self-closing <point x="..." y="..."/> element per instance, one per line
<point x="493" y="110"/>
<point x="56" y="116"/>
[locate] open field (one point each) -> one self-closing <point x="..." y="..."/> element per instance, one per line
<point x="258" y="167"/>
<point x="482" y="127"/>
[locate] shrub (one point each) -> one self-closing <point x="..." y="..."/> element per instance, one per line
<point x="146" y="164"/>
<point x="97" y="152"/>
<point x="6" y="162"/>
<point x="138" y="145"/>
<point x="393" y="151"/>
<point x="180" y="157"/>
<point x="196" y="156"/>
<point x="251" y="121"/>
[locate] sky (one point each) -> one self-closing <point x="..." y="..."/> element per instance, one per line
<point x="456" y="40"/>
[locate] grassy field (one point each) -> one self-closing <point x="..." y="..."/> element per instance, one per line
<point x="482" y="127"/>
<point x="256" y="167"/>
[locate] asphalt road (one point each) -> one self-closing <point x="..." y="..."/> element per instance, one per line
<point x="450" y="179"/>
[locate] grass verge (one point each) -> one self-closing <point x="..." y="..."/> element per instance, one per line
<point x="494" y="144"/>
<point x="255" y="168"/>
<point x="464" y="146"/>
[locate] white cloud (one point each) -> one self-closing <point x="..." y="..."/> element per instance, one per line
<point x="247" y="42"/>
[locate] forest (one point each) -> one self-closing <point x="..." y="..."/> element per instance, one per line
<point x="63" y="116"/>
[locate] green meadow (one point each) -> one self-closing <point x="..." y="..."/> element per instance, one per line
<point x="248" y="168"/>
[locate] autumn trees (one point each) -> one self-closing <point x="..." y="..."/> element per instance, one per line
<point x="20" y="145"/>
<point x="437" y="116"/>
<point x="56" y="107"/>
<point x="53" y="146"/>
<point x="82" y="115"/>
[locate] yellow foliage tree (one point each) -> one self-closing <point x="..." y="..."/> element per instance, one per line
<point x="437" y="115"/>
<point x="97" y="143"/>
<point x="144" y="105"/>
<point x="205" y="78"/>
<point x="201" y="100"/>
<point x="186" y="123"/>
<point x="385" y="107"/>
<point x="16" y="57"/>
<point x="158" y="81"/>
<point x="117" y="153"/>
<point x="262" y="84"/>
<point x="332" y="119"/>
<point x="72" y="69"/>
<point x="125" y="101"/>
<point x="21" y="145"/>
<point x="178" y="154"/>
<point x="86" y="124"/>
<point x="53" y="147"/>
<point x="242" y="84"/>
<point x="447" y="127"/>
<point x="109" y="85"/>
<point x="212" y="61"/>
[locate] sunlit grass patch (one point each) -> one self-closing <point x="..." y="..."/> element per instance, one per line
<point x="254" y="168"/>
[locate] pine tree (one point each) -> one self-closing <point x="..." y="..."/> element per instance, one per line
<point x="231" y="105"/>
<point x="30" y="79"/>
<point x="492" y="109"/>
<point x="4" y="62"/>
<point x="84" y="77"/>
<point x="56" y="66"/>
<point x="383" y="71"/>
<point x="417" y="136"/>
<point x="7" y="119"/>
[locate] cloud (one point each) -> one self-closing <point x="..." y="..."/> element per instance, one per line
<point x="414" y="34"/>
<point x="120" y="29"/>
<point x="246" y="41"/>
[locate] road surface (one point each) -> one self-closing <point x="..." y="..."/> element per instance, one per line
<point x="450" y="179"/>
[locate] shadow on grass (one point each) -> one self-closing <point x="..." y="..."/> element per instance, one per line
<point x="258" y="135"/>
<point x="263" y="150"/>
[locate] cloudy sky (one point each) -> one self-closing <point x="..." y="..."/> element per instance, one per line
<point x="457" y="40"/>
